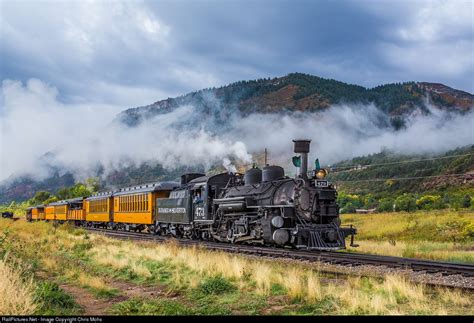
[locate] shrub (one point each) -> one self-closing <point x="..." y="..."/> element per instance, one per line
<point x="349" y="202"/>
<point x="141" y="306"/>
<point x="427" y="202"/>
<point x="216" y="285"/>
<point x="348" y="208"/>
<point x="53" y="299"/>
<point x="468" y="231"/>
<point x="370" y="201"/>
<point x="451" y="230"/>
<point x="466" y="201"/>
<point x="405" y="202"/>
<point x="386" y="205"/>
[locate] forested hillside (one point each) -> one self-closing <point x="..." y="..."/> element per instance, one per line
<point x="303" y="92"/>
<point x="385" y="179"/>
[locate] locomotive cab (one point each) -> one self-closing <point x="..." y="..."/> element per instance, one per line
<point x="204" y="191"/>
<point x="200" y="202"/>
<point x="188" y="211"/>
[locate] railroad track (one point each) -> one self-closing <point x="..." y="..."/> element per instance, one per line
<point x="340" y="258"/>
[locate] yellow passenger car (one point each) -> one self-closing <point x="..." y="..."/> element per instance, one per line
<point x="49" y="212"/>
<point x="134" y="207"/>
<point x="75" y="210"/>
<point x="37" y="212"/>
<point x="99" y="209"/>
<point x="60" y="210"/>
<point x="41" y="214"/>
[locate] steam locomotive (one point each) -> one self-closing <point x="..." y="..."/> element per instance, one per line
<point x="262" y="206"/>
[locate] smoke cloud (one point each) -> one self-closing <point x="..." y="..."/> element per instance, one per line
<point x="343" y="132"/>
<point x="37" y="131"/>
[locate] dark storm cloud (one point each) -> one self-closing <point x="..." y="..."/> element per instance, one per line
<point x="274" y="38"/>
<point x="134" y="53"/>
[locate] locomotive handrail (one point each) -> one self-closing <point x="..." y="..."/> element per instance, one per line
<point x="229" y="199"/>
<point x="270" y="206"/>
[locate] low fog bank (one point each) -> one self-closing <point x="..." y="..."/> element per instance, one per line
<point x="38" y="131"/>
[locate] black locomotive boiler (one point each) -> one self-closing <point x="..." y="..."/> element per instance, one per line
<point x="258" y="207"/>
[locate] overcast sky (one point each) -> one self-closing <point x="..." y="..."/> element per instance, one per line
<point x="131" y="53"/>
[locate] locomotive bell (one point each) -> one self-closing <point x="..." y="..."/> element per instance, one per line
<point x="302" y="147"/>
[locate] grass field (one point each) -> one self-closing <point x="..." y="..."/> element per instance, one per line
<point x="437" y="235"/>
<point x="63" y="270"/>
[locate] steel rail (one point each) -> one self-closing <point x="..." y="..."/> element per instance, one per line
<point x="333" y="257"/>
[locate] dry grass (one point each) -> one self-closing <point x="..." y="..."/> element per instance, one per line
<point x="356" y="295"/>
<point x="294" y="283"/>
<point x="435" y="235"/>
<point x="50" y="264"/>
<point x="16" y="292"/>
<point x="395" y="295"/>
<point x="421" y="225"/>
<point x="188" y="267"/>
<point x="92" y="281"/>
<point x="261" y="276"/>
<point x="313" y="292"/>
<point x="399" y="287"/>
<point x="116" y="262"/>
<point x="140" y="270"/>
<point x="182" y="280"/>
<point x="444" y="251"/>
<point x="454" y="297"/>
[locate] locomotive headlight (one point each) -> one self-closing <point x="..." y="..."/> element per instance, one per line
<point x="320" y="174"/>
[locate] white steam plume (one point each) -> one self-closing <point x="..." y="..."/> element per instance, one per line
<point x="343" y="132"/>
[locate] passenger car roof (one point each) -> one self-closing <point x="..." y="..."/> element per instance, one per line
<point x="145" y="188"/>
<point x="68" y="201"/>
<point x="99" y="196"/>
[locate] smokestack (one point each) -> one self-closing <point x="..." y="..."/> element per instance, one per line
<point x="302" y="147"/>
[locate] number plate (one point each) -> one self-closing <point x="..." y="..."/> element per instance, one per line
<point x="199" y="213"/>
<point x="322" y="184"/>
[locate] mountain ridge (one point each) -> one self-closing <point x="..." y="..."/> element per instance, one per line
<point x="307" y="93"/>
